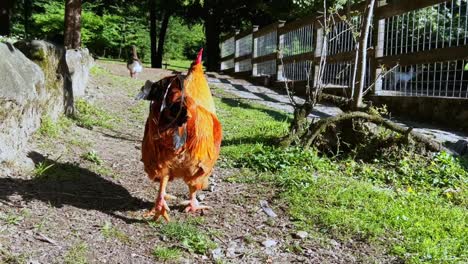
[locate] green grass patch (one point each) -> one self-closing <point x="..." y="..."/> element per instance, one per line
<point x="412" y="206"/>
<point x="89" y="116"/>
<point x="187" y="234"/>
<point x="177" y="65"/>
<point x="93" y="157"/>
<point x="111" y="232"/>
<point x="247" y="127"/>
<point x="77" y="254"/>
<point x="41" y="168"/>
<point x="418" y="227"/>
<point x="162" y="253"/>
<point x="53" y="129"/>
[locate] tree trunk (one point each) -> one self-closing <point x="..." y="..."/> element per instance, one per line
<point x="212" y="32"/>
<point x="162" y="39"/>
<point x="362" y="62"/>
<point x="27" y="17"/>
<point x="72" y="35"/>
<point x="5" y="16"/>
<point x="152" y="9"/>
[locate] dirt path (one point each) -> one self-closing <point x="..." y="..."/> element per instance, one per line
<point x="78" y="210"/>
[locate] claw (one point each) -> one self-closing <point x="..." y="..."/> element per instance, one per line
<point x="194" y="206"/>
<point x="160" y="209"/>
<point x="170" y="197"/>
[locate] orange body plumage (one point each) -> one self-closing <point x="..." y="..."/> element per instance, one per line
<point x="182" y="135"/>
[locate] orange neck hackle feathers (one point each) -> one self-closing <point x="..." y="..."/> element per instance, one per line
<point x="197" y="87"/>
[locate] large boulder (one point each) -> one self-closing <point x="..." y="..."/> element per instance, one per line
<point x="23" y="98"/>
<point x="79" y="63"/>
<point x="34" y="87"/>
<point x="50" y="59"/>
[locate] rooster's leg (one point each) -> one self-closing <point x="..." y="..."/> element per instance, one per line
<point x="193" y="204"/>
<point x="160" y="206"/>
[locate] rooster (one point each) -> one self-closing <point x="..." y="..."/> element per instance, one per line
<point x="134" y="65"/>
<point x="182" y="135"/>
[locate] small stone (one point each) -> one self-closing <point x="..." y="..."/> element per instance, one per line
<point x="301" y="234"/>
<point x="217" y="253"/>
<point x="269" y="243"/>
<point x="201" y="197"/>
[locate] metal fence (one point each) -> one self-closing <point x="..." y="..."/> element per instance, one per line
<point x="425" y="43"/>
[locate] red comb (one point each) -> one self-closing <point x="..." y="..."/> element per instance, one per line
<point x="199" y="56"/>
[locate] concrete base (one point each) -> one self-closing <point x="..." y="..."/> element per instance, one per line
<point x="449" y="112"/>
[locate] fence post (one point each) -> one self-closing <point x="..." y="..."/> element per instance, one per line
<point x="254" y="49"/>
<point x="379" y="52"/>
<point x="278" y="51"/>
<point x="318" y="52"/>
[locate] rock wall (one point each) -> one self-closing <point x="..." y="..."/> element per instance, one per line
<point x="22" y="99"/>
<point x="34" y="87"/>
<point x="50" y="59"/>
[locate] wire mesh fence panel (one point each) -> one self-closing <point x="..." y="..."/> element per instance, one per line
<point x="243" y="65"/>
<point x="227" y="64"/>
<point x="264" y="68"/>
<point x="438" y="26"/>
<point x="296" y="71"/>
<point x="265" y="44"/>
<point x="340" y="74"/>
<point x="244" y="46"/>
<point x="437" y="79"/>
<point x="297" y="41"/>
<point x="227" y="47"/>
<point x="343" y="36"/>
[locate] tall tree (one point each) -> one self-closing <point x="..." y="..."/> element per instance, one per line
<point x="162" y="38"/>
<point x="72" y="32"/>
<point x="27" y="13"/>
<point x="153" y="33"/>
<point x="5" y="16"/>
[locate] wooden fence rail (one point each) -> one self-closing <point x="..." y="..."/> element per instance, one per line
<point x="427" y="39"/>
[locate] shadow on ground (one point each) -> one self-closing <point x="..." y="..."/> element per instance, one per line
<point x="68" y="184"/>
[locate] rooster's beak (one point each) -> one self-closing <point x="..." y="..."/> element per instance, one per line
<point x="145" y="91"/>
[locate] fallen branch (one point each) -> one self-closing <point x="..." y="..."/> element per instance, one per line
<point x="319" y="127"/>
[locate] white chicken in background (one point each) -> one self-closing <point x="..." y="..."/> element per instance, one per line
<point x="134" y="64"/>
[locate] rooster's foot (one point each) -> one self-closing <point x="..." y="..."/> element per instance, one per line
<point x="160" y="208"/>
<point x="194" y="206"/>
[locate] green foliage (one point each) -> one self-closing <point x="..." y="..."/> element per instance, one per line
<point x="77" y="254"/>
<point x="164" y="253"/>
<point x="52" y="129"/>
<point x="188" y="235"/>
<point x="41" y="168"/>
<point x="109" y="232"/>
<point x="183" y="40"/>
<point x="402" y="221"/>
<point x="412" y="206"/>
<point x="88" y="116"/>
<point x="93" y="157"/>
<point x="11" y="217"/>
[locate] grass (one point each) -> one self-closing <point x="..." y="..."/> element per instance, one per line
<point x="54" y="129"/>
<point x="93" y="157"/>
<point x="413" y="207"/>
<point x="177" y="65"/>
<point x="111" y="232"/>
<point x="89" y="116"/>
<point x="11" y="218"/>
<point x="162" y="253"/>
<point x="41" y="168"/>
<point x="77" y="254"/>
<point x="187" y="234"/>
